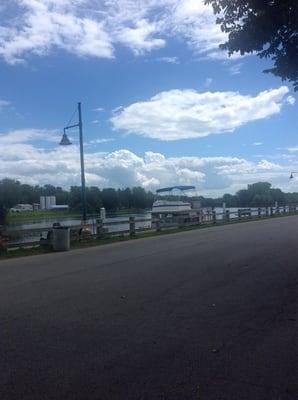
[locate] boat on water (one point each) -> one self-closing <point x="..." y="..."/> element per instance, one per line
<point x="168" y="206"/>
<point x="175" y="210"/>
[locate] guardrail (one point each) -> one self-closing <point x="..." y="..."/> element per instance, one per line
<point x="99" y="229"/>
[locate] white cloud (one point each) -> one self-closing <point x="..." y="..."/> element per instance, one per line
<point x="3" y="104"/>
<point x="169" y="60"/>
<point x="44" y="25"/>
<point x="291" y="100"/>
<point x="293" y="149"/>
<point x="60" y="166"/>
<point x="235" y="69"/>
<point x="208" y="82"/>
<point x="257" y="144"/>
<point x="267" y="165"/>
<point x="94" y="28"/>
<point x="103" y="140"/>
<point x="21" y="136"/>
<point x="184" y="114"/>
<point x="140" y="37"/>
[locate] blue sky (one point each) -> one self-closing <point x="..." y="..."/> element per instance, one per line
<point x="162" y="105"/>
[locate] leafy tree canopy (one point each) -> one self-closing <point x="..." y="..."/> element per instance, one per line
<point x="259" y="194"/>
<point x="267" y="27"/>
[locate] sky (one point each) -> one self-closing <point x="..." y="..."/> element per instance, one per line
<point x="162" y="105"/>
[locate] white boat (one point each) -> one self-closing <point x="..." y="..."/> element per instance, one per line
<point x="173" y="209"/>
<point x="170" y="206"/>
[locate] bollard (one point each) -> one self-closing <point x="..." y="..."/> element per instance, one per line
<point x="239" y="213"/>
<point x="132" y="226"/>
<point x="285" y="209"/>
<point x="259" y="212"/>
<point x="271" y="211"/>
<point x="61" y="238"/>
<point x="267" y="211"/>
<point x="227" y="215"/>
<point x="103" y="213"/>
<point x="249" y="213"/>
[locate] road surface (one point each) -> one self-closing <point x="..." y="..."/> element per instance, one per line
<point x="208" y="314"/>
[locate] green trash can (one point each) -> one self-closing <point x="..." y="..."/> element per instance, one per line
<point x="61" y="238"/>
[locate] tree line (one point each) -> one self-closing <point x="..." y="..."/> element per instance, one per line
<point x="12" y="192"/>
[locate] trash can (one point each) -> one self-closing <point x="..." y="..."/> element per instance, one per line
<point x="61" y="238"/>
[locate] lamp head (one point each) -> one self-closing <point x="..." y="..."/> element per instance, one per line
<point x="291" y="176"/>
<point x="65" y="141"/>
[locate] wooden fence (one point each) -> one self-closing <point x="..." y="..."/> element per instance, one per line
<point x="99" y="229"/>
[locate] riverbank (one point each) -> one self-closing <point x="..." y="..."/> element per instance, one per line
<point x="38" y="214"/>
<point x="41" y="214"/>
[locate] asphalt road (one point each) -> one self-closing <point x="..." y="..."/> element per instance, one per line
<point x="204" y="315"/>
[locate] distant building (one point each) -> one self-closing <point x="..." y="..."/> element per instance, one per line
<point x="22" y="208"/>
<point x="49" y="203"/>
<point x="59" y="207"/>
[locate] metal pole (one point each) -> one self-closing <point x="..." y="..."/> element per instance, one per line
<point x="84" y="213"/>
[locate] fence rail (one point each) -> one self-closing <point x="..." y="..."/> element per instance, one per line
<point x="14" y="238"/>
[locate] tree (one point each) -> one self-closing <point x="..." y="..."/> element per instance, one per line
<point x="110" y="199"/>
<point x="267" y="27"/>
<point x="93" y="199"/>
<point x="139" y="197"/>
<point x="10" y="192"/>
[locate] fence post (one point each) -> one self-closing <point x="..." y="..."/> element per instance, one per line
<point x="99" y="228"/>
<point x="267" y="211"/>
<point x="285" y="209"/>
<point x="158" y="224"/>
<point x="277" y="210"/>
<point x="227" y="215"/>
<point x="271" y="211"/>
<point x="214" y="216"/>
<point x="249" y="213"/>
<point x="224" y="214"/>
<point x="180" y="222"/>
<point x="259" y="212"/>
<point x="132" y="226"/>
<point x="239" y="213"/>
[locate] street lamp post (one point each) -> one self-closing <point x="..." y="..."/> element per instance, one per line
<point x="293" y="172"/>
<point x="66" y="142"/>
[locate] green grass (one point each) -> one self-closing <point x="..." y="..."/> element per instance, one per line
<point x="107" y="239"/>
<point x="39" y="214"/>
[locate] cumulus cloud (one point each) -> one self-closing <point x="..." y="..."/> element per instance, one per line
<point x="44" y="25"/>
<point x="21" y="159"/>
<point x="20" y="136"/>
<point x="140" y="38"/>
<point x="93" y="28"/>
<point x="184" y="114"/>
